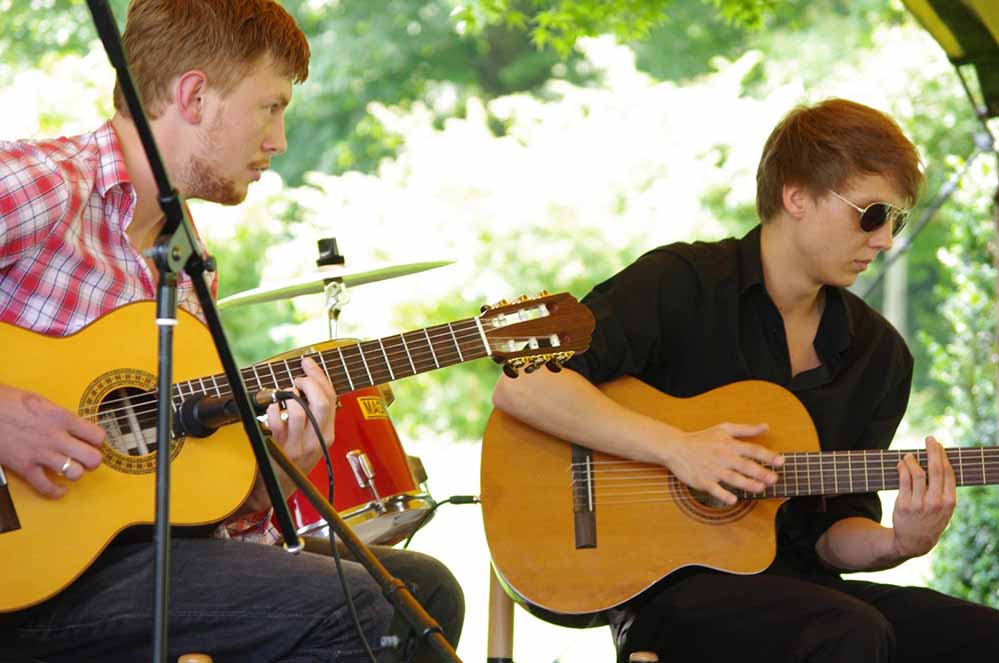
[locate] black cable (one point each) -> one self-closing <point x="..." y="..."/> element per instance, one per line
<point x="286" y="395"/>
<point x="454" y="499"/>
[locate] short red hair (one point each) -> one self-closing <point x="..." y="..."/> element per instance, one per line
<point x="224" y="38"/>
<point x="822" y="147"/>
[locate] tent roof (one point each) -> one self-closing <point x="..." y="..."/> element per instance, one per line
<point x="968" y="31"/>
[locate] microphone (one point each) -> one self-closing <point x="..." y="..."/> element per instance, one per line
<point x="202" y="415"/>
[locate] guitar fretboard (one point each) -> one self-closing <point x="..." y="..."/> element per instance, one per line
<point x="843" y="472"/>
<point x="360" y="365"/>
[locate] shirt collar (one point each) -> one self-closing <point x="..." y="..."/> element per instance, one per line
<point x="111" y="170"/>
<point x="836" y="328"/>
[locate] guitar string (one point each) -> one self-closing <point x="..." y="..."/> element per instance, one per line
<point x="978" y="471"/>
<point x="428" y="360"/>
<point x="801" y="464"/>
<point x="354" y="362"/>
<point x="353" y="365"/>
<point x="673" y="493"/>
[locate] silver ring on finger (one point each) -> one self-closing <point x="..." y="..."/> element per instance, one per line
<point x="65" y="466"/>
<point x="284" y="416"/>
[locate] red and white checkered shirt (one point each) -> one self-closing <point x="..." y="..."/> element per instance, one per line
<point x="65" y="259"/>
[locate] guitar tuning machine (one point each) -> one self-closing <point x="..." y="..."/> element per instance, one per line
<point x="543" y="293"/>
<point x="522" y="298"/>
<point x="513" y="367"/>
<point x="535" y="363"/>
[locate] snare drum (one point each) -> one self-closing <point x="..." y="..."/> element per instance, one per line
<point x="374" y="489"/>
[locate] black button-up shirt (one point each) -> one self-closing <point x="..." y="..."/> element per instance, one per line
<point x="687" y="318"/>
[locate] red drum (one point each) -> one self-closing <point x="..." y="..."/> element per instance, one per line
<point x="374" y="489"/>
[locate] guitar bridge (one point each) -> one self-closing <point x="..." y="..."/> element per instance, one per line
<point x="583" y="502"/>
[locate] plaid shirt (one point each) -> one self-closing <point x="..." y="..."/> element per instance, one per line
<point x="65" y="258"/>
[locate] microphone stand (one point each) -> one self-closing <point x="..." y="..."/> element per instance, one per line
<point x="176" y="249"/>
<point x="393" y="588"/>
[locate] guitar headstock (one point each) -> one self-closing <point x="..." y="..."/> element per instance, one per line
<point x="529" y="333"/>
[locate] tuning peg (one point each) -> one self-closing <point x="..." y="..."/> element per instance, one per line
<point x="543" y="293"/>
<point x="522" y="298"/>
<point x="484" y="308"/>
<point x="553" y="365"/>
<point x="510" y="371"/>
<point x="501" y="302"/>
<point x="535" y="364"/>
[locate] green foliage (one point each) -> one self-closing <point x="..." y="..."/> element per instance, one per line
<point x="249" y="328"/>
<point x="457" y="401"/>
<point x="966" y="561"/>
<point x="394" y="53"/>
<point x="43" y="29"/>
<point x="561" y="23"/>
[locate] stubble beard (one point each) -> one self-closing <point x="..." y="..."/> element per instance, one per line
<point x="204" y="179"/>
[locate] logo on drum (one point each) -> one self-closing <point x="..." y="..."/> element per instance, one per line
<point x="372" y="407"/>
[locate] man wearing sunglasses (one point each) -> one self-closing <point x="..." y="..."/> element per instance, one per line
<point x="834" y="184"/>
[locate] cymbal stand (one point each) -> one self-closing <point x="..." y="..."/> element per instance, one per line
<point x="336" y="296"/>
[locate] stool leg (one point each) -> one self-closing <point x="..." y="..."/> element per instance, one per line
<point x="499" y="645"/>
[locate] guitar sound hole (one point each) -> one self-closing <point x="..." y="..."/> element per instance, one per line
<point x="707" y="500"/>
<point x="128" y="415"/>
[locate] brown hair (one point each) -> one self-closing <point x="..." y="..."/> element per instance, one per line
<point x="224" y="38"/>
<point x="821" y="147"/>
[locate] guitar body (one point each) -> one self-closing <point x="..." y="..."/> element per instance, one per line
<point x="107" y="373"/>
<point x="644" y="531"/>
<point x="210" y="477"/>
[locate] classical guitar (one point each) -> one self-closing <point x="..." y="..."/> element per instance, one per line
<point x="106" y="373"/>
<point x="576" y="531"/>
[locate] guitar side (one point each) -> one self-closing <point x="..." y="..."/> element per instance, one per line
<point x="58" y="539"/>
<point x="642" y="534"/>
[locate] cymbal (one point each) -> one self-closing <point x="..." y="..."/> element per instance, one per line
<point x="317" y="281"/>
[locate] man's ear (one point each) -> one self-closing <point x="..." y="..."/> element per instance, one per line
<point x="189" y="95"/>
<point x="795" y="199"/>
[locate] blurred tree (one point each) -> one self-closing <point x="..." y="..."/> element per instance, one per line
<point x="966" y="561"/>
<point x="561" y="23"/>
<point x="456" y="401"/>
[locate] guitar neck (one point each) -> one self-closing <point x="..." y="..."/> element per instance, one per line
<point x="843" y="472"/>
<point x="360" y="365"/>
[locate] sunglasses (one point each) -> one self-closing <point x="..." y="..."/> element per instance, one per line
<point x="875" y="215"/>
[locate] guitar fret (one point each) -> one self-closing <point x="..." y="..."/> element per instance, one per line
<point x="364" y="360"/>
<point x="255" y="374"/>
<point x="326" y="370"/>
<point x="431" y="345"/>
<point x="456" y="344"/>
<point x="482" y="335"/>
<point x="277" y="384"/>
<point x="287" y="368"/>
<point x="960" y="466"/>
<point x="835" y="474"/>
<point x="883" y="483"/>
<point x="345" y="371"/>
<point x="981" y="454"/>
<point x="408" y="356"/>
<point x="385" y="354"/>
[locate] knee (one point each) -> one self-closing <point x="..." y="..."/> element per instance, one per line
<point x="852" y="631"/>
<point x="439" y="592"/>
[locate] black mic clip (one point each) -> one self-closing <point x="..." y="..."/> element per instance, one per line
<point x="201" y="415"/>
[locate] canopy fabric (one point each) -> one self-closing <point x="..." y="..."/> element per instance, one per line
<point x="968" y="32"/>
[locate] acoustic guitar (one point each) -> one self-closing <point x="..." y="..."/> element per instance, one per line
<point x="106" y="374"/>
<point x="576" y="531"/>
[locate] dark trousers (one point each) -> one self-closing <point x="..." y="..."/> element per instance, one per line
<point x="431" y="583"/>
<point x="706" y="616"/>
<point x="239" y="602"/>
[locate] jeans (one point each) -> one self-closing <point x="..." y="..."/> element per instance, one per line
<point x="238" y="602"/>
